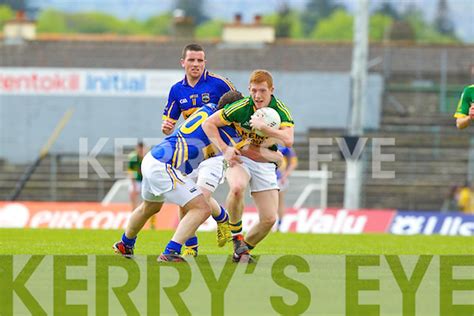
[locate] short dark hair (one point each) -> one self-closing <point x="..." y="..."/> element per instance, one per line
<point x="140" y="144"/>
<point x="228" y="98"/>
<point x="191" y="47"/>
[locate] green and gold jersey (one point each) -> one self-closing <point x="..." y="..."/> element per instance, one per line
<point x="465" y="101"/>
<point x="135" y="165"/>
<point x="239" y="113"/>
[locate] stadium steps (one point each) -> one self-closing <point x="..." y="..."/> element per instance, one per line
<point x="429" y="158"/>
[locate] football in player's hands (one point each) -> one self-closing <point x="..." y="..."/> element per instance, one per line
<point x="265" y="116"/>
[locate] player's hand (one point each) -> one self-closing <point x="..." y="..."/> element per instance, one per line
<point x="167" y="127"/>
<point x="257" y="122"/>
<point x="268" y="142"/>
<point x="471" y="111"/>
<point x="231" y="154"/>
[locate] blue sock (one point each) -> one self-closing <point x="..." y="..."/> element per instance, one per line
<point x="172" y="246"/>
<point x="129" y="242"/>
<point x="222" y="216"/>
<point x="192" y="243"/>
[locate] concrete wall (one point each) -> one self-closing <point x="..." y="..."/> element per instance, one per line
<point x="26" y="121"/>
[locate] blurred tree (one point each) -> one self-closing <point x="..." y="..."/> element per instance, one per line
<point x="339" y="27"/>
<point x="425" y="33"/>
<point x="193" y="9"/>
<point x="387" y="8"/>
<point x="6" y="14"/>
<point x="93" y="22"/>
<point x="159" y="25"/>
<point x="283" y="22"/>
<point x="315" y="11"/>
<point x="442" y="22"/>
<point x="401" y="31"/>
<point x="52" y="21"/>
<point x="293" y="27"/>
<point x="15" y="4"/>
<point x="380" y="26"/>
<point x="210" y="29"/>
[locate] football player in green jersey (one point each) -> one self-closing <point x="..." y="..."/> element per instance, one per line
<point x="135" y="173"/>
<point x="244" y="171"/>
<point x="465" y="110"/>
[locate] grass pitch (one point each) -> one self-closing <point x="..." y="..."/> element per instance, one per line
<point x="99" y="242"/>
<point x="295" y="274"/>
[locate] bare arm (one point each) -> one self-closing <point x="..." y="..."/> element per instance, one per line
<point x="463" y="122"/>
<point x="262" y="154"/>
<point x="167" y="127"/>
<point x="292" y="166"/>
<point x="211" y="128"/>
<point x="283" y="136"/>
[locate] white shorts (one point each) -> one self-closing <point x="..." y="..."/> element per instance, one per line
<point x="209" y="174"/>
<point x="262" y="175"/>
<point x="161" y="182"/>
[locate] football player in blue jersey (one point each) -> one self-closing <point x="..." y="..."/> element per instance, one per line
<point x="288" y="165"/>
<point x="165" y="169"/>
<point x="199" y="87"/>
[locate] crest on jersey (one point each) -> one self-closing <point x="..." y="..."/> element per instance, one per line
<point x="205" y="97"/>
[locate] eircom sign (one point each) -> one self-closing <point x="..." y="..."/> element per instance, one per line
<point x="91" y="215"/>
<point x="87" y="82"/>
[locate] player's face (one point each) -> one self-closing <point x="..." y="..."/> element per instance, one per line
<point x="261" y="94"/>
<point x="193" y="64"/>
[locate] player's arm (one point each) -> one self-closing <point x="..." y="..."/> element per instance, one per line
<point x="131" y="173"/>
<point x="464" y="110"/>
<point x="211" y="128"/>
<point x="262" y="154"/>
<point x="463" y="122"/>
<point x="171" y="114"/>
<point x="283" y="136"/>
<point x="293" y="163"/>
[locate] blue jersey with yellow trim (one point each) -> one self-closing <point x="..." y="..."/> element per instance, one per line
<point x="186" y="99"/>
<point x="288" y="155"/>
<point x="188" y="145"/>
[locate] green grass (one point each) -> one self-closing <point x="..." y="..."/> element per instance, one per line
<point x="323" y="285"/>
<point x="52" y="241"/>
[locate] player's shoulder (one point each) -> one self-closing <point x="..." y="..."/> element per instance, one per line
<point x="177" y="86"/>
<point x="280" y="104"/>
<point x="469" y="88"/>
<point x="242" y="103"/>
<point x="281" y="107"/>
<point x="220" y="80"/>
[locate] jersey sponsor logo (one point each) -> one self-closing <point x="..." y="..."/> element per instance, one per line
<point x="182" y="101"/>
<point x="194" y="97"/>
<point x="205" y="97"/>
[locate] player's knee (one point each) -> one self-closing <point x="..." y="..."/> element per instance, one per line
<point x="268" y="221"/>
<point x="237" y="190"/>
<point x="202" y="208"/>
